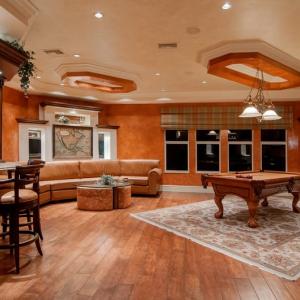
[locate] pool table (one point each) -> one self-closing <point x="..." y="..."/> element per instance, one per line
<point x="252" y="187"/>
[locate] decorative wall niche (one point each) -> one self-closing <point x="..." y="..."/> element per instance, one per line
<point x="103" y="141"/>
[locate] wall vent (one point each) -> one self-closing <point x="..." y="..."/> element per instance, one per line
<point x="167" y="45"/>
<point x="53" y="51"/>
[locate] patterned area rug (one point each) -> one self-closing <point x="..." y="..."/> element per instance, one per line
<point x="273" y="247"/>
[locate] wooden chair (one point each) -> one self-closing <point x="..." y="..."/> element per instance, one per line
<point x="27" y="214"/>
<point x="20" y="200"/>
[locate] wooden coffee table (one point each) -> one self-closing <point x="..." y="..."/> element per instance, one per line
<point x="103" y="197"/>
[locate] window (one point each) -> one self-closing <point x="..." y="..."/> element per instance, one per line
<point x="240" y="150"/>
<point x="208" y="150"/>
<point x="106" y="144"/>
<point x="273" y="149"/>
<point x="35" y="146"/>
<point x="176" y="150"/>
<point x="101" y="145"/>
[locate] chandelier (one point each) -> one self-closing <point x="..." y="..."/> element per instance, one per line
<point x="258" y="106"/>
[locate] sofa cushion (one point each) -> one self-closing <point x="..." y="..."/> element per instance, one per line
<point x="63" y="194"/>
<point x="60" y="170"/>
<point x="44" y="186"/>
<point x="64" y="184"/>
<point x="96" y="168"/>
<point x="138" y="167"/>
<point x="45" y="197"/>
<point x="136" y="180"/>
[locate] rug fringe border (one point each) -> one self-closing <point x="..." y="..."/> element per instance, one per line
<point x="239" y="258"/>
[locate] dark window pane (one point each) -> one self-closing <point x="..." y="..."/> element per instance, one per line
<point x="273" y="157"/>
<point x="208" y="135"/>
<point x="207" y="157"/>
<point x="240" y="158"/>
<point x="35" y="146"/>
<point x="240" y="135"/>
<point x="177" y="135"/>
<point x="101" y="145"/>
<point x="273" y="135"/>
<point x="177" y="157"/>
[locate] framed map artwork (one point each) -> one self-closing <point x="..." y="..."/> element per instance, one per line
<point x="72" y="142"/>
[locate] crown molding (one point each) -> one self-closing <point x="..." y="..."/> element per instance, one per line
<point x="23" y="10"/>
<point x="225" y="47"/>
<point x="94" y="68"/>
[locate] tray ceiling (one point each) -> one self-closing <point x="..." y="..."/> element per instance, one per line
<point x="126" y="39"/>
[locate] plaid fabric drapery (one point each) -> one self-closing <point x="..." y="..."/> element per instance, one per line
<point x="220" y="117"/>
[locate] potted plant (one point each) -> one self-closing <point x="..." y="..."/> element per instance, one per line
<point x="107" y="180"/>
<point x="27" y="68"/>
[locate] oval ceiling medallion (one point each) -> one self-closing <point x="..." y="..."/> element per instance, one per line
<point x="99" y="82"/>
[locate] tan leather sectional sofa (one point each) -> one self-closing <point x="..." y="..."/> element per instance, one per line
<point x="58" y="180"/>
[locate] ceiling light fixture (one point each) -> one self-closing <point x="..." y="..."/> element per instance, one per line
<point x="38" y="77"/>
<point x="164" y="99"/>
<point x="258" y="107"/>
<point x="226" y="6"/>
<point x="126" y="100"/>
<point x="212" y="132"/>
<point x="76" y="55"/>
<point x="61" y="84"/>
<point x="204" y="82"/>
<point x="156" y="74"/>
<point x="98" y="15"/>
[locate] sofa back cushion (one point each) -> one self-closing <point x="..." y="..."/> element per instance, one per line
<point x="96" y="168"/>
<point x="137" y="167"/>
<point x="60" y="170"/>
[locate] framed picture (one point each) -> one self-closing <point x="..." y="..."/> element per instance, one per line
<point x="72" y="142"/>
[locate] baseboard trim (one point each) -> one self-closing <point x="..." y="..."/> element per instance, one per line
<point x="185" y="189"/>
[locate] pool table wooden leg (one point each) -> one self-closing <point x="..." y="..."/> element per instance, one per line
<point x="252" y="207"/>
<point x="296" y="209"/>
<point x="218" y="201"/>
<point x="265" y="202"/>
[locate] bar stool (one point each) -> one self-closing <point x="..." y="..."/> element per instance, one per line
<point x="26" y="213"/>
<point x="19" y="200"/>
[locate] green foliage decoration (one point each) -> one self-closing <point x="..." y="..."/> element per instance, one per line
<point x="27" y="69"/>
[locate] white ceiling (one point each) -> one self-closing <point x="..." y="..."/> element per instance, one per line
<point x="125" y="41"/>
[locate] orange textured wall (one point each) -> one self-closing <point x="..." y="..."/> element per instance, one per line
<point x="140" y="136"/>
<point x="16" y="106"/>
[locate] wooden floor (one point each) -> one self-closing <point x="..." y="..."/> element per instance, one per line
<point x="110" y="255"/>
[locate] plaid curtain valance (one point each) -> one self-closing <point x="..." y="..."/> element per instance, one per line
<point x="219" y="117"/>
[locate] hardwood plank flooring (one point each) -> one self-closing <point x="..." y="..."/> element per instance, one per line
<point x="110" y="255"/>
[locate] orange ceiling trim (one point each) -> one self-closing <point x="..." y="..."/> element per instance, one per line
<point x="89" y="80"/>
<point x="219" y="67"/>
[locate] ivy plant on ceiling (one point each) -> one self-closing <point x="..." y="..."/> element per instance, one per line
<point x="27" y="68"/>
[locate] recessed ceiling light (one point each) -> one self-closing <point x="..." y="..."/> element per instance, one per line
<point x="98" y="15"/>
<point x="58" y="93"/>
<point x="164" y="99"/>
<point x="203" y="81"/>
<point x="76" y="55"/>
<point x="156" y="74"/>
<point x="91" y="97"/>
<point x="61" y="84"/>
<point x="226" y="6"/>
<point x="38" y="77"/>
<point x="163" y="90"/>
<point x="0" y="72"/>
<point x="126" y="100"/>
